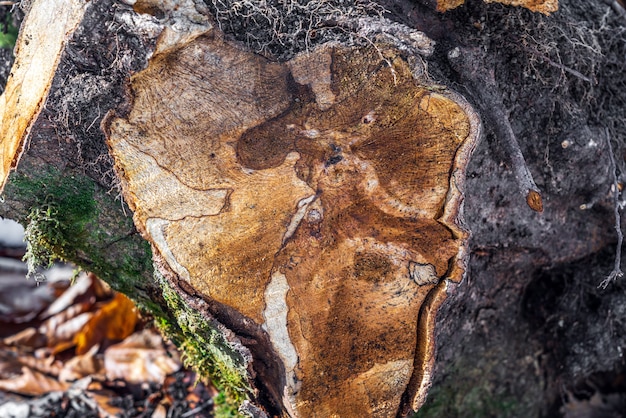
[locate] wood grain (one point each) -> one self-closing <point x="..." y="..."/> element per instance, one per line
<point x="46" y="28"/>
<point x="321" y="198"/>
<point x="542" y="6"/>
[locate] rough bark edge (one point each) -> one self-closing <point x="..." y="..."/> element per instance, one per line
<point x="207" y="345"/>
<point x="452" y="217"/>
<point x="18" y="120"/>
<point x="209" y="330"/>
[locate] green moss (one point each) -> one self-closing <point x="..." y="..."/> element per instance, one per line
<point x="41" y="233"/>
<point x="71" y="218"/>
<point x="68" y="217"/>
<point x="223" y="408"/>
<point x="205" y="349"/>
<point x="56" y="222"/>
<point x="8" y="35"/>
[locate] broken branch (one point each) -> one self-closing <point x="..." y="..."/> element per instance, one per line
<point x="471" y="67"/>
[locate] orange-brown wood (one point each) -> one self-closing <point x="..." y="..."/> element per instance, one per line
<point x="320" y="198"/>
<point x="46" y="28"/>
<point x="542" y="6"/>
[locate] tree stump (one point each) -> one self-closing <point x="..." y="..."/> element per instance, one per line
<point x="298" y="210"/>
<point x="320" y="199"/>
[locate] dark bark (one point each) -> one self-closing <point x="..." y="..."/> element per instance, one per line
<point x="529" y="326"/>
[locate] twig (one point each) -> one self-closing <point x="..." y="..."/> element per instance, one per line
<point x="618" y="6"/>
<point x="617" y="269"/>
<point x="197" y="409"/>
<point x="469" y="64"/>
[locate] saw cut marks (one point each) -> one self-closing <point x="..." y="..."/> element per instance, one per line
<point x="320" y="198"/>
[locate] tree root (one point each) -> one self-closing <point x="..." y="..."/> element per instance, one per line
<point x="479" y="77"/>
<point x="617" y="269"/>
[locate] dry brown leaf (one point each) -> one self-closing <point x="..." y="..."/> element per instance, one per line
<point x="80" y="366"/>
<point x="9" y="366"/>
<point x="61" y="331"/>
<point x="114" y="321"/>
<point x="42" y="362"/>
<point x="100" y="288"/>
<point x="28" y="337"/>
<point x="32" y="383"/>
<point x="66" y="300"/>
<point x="140" y="358"/>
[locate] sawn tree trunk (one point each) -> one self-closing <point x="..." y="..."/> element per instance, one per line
<point x="289" y="189"/>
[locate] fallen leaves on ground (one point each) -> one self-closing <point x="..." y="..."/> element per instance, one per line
<point x="115" y="320"/>
<point x="85" y="348"/>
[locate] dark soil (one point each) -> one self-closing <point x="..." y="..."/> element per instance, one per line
<point x="530" y="329"/>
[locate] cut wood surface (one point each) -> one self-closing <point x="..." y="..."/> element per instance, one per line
<point x="302" y="205"/>
<point x="543" y="6"/>
<point x="38" y="50"/>
<point x="320" y="198"/>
